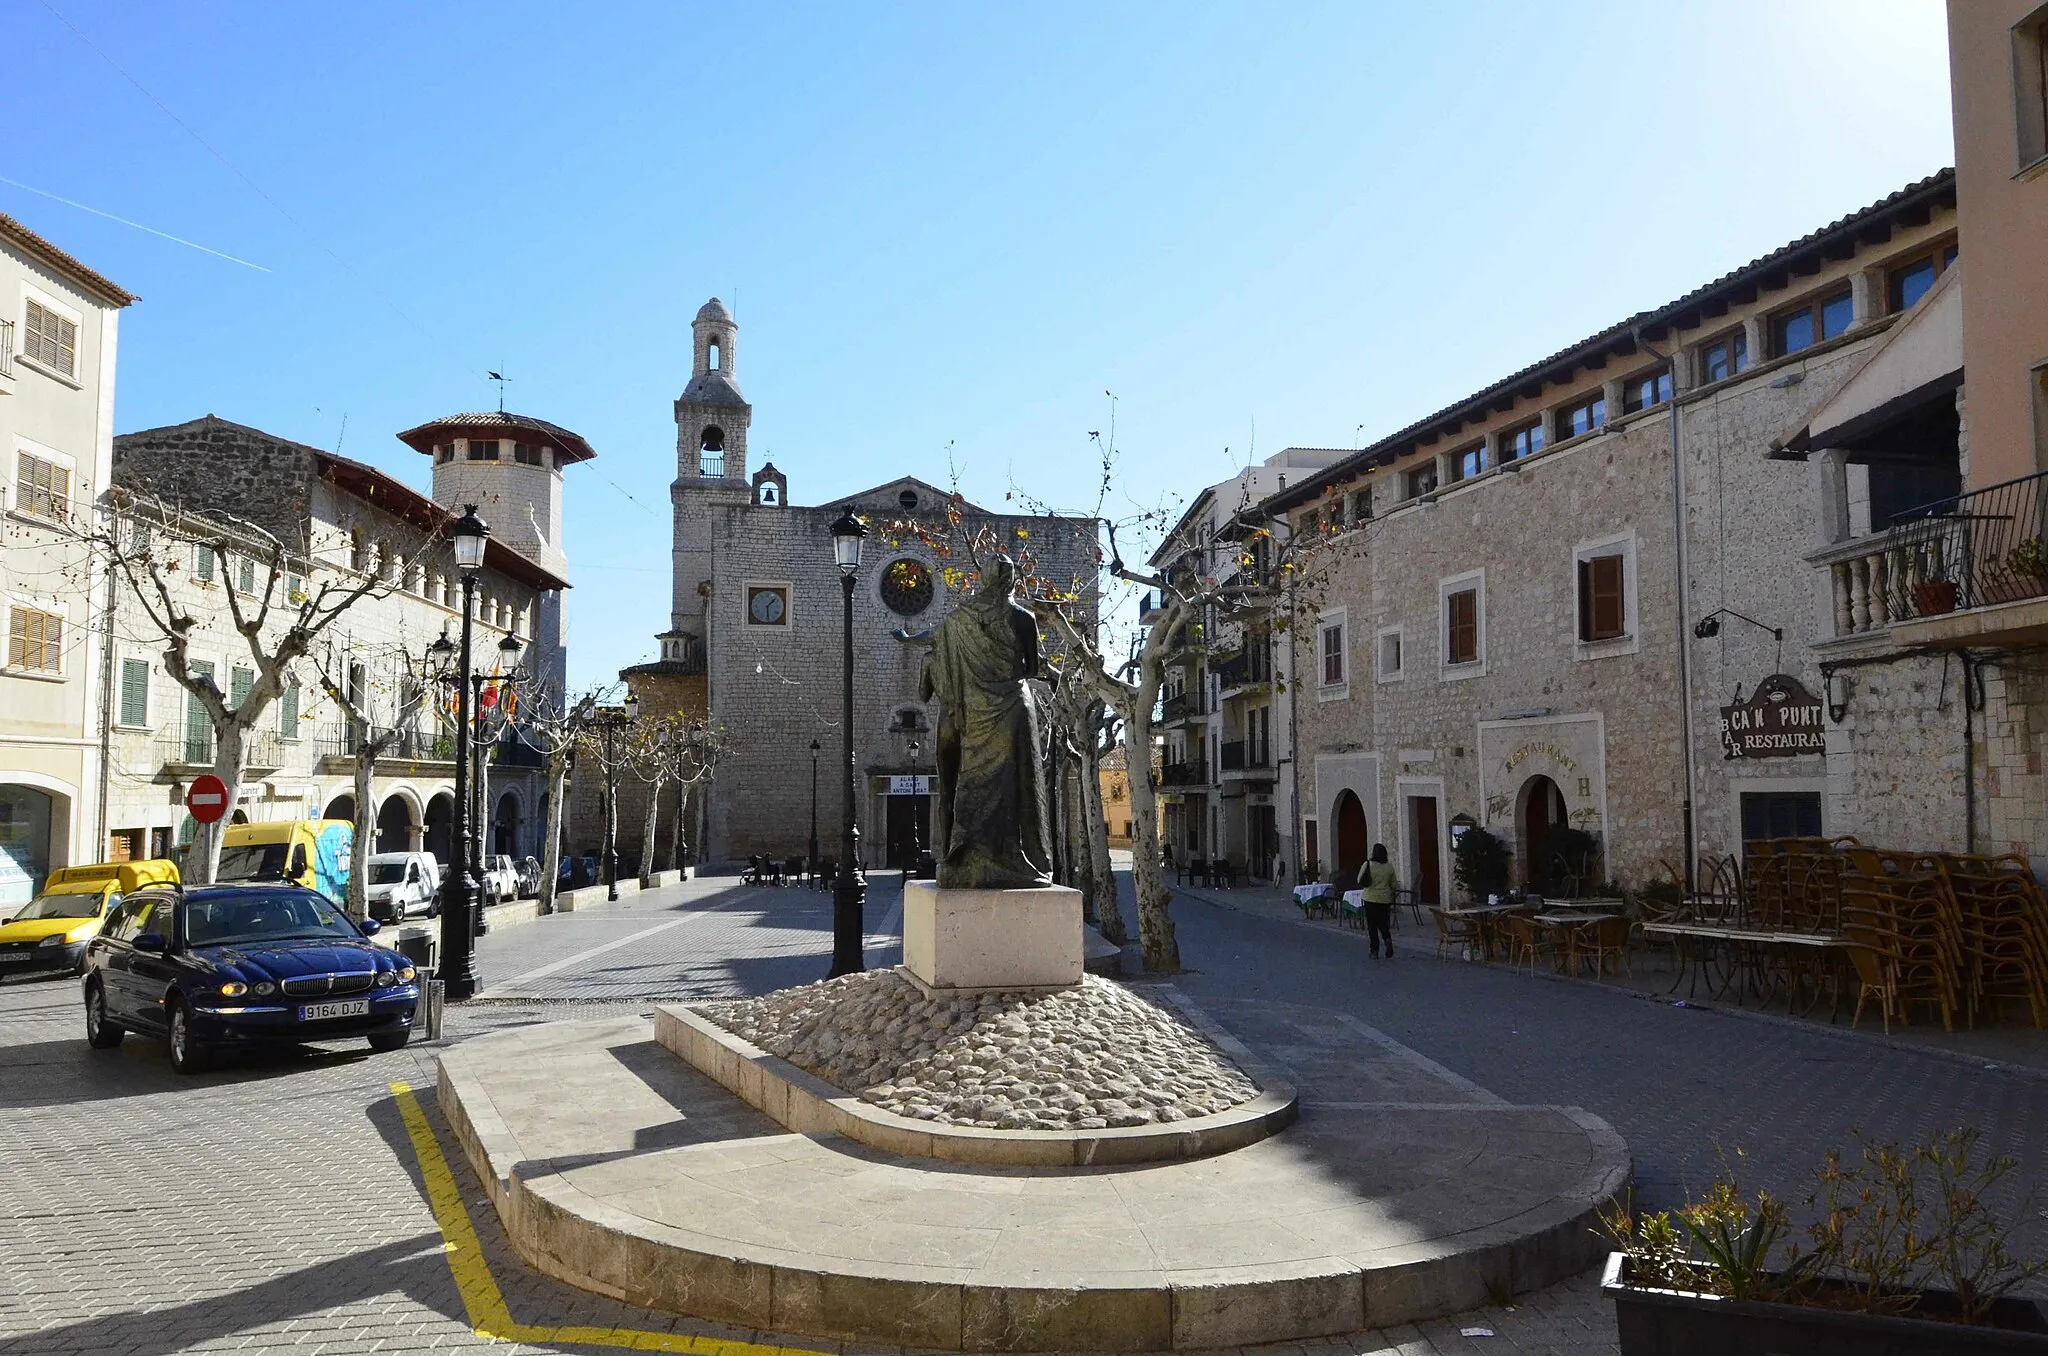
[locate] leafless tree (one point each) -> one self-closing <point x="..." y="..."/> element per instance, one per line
<point x="353" y="690"/>
<point x="555" y="727"/>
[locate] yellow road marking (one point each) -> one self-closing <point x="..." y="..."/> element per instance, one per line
<point x="489" y="1316"/>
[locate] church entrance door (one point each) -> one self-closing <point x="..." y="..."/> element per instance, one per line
<point x="908" y="829"/>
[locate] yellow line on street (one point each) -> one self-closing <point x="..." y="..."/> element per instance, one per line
<point x="489" y="1316"/>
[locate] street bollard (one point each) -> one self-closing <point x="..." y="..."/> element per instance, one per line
<point x="433" y="998"/>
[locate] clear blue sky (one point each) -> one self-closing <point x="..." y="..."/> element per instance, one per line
<point x="945" y="223"/>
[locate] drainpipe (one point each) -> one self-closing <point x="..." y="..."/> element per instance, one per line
<point x="1670" y="361"/>
<point x="1969" y="759"/>
<point x="107" y="709"/>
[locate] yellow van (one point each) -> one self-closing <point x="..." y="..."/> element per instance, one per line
<point x="314" y="853"/>
<point x="51" y="932"/>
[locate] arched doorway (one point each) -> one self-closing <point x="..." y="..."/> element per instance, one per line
<point x="505" y="825"/>
<point x="394" y="825"/>
<point x="1353" y="838"/>
<point x="341" y="807"/>
<point x="1543" y="811"/>
<point x="440" y="835"/>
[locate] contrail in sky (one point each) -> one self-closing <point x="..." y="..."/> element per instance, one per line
<point x="136" y="224"/>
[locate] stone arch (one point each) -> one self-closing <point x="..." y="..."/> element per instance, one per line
<point x="342" y="806"/>
<point x="438" y="831"/>
<point x="506" y="816"/>
<point x="1539" y="811"/>
<point x="395" y="825"/>
<point x="1350" y="837"/>
<point x="35" y="813"/>
<point x="712" y="439"/>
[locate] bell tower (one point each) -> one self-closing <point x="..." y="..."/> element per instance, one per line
<point x="711" y="472"/>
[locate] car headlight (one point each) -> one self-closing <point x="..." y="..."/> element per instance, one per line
<point x="405" y="974"/>
<point x="54" y="939"/>
<point x="384" y="979"/>
<point x="234" y="988"/>
<point x="265" y="986"/>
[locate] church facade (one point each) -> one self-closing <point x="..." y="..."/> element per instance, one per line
<point x="756" y="629"/>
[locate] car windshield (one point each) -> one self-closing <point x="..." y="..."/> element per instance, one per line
<point x="386" y="873"/>
<point x="277" y="917"/>
<point x="61" y="906"/>
<point x="257" y="861"/>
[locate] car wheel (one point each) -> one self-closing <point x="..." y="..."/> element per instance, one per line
<point x="434" y="906"/>
<point x="187" y="1055"/>
<point x="101" y="1031"/>
<point x="390" y="1041"/>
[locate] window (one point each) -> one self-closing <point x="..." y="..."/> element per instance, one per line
<point x="52" y="340"/>
<point x="1333" y="654"/>
<point x="245" y="574"/>
<point x="1525" y="441"/>
<point x="1805" y="326"/>
<point x="1421" y="480"/>
<point x="444" y="452"/>
<point x="1912" y="280"/>
<point x="1468" y="463"/>
<point x="35" y="641"/>
<point x="1361" y="506"/>
<point x="41" y="486"/>
<point x="202" y="563"/>
<point x="1724" y="357"/>
<point x="1389" y="658"/>
<point x="294" y="588"/>
<point x="240" y="680"/>
<point x="1461" y="627"/>
<point x="288" y="712"/>
<point x="529" y="454"/>
<point x="1647" y="389"/>
<point x="1582" y="417"/>
<point x="135" y="693"/>
<point x="1603" y="603"/>
<point x="483" y="449"/>
<point x="198" y="725"/>
<point x="1780" y="814"/>
<point x="2030" y="88"/>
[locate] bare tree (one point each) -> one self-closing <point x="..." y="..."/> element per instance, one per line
<point x="555" y="728"/>
<point x="292" y="600"/>
<point x="694" y="755"/>
<point x="352" y="689"/>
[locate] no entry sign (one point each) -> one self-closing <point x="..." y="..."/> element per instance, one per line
<point x="208" y="798"/>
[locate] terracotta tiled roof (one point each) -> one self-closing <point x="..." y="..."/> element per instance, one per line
<point x="22" y="238"/>
<point x="423" y="438"/>
<point x="1619" y="338"/>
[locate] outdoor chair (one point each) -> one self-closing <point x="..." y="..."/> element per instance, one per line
<point x="1520" y="940"/>
<point x="1607" y="939"/>
<point x="1455" y="935"/>
<point x="827" y="872"/>
<point x="757" y="870"/>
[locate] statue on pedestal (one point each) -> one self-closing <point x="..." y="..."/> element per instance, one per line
<point x="990" y="811"/>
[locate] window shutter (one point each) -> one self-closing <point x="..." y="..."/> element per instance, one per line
<point x="1609" y="614"/>
<point x="239" y="683"/>
<point x="17" y="639"/>
<point x="246" y="571"/>
<point x="288" y="713"/>
<point x="135" y="692"/>
<point x="1586" y="600"/>
<point x="203" y="564"/>
<point x="198" y="728"/>
<point x="1464" y="637"/>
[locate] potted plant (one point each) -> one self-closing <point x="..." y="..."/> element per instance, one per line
<point x="1902" y="1258"/>
<point x="2024" y="574"/>
<point x="1479" y="864"/>
<point x="1934" y="595"/>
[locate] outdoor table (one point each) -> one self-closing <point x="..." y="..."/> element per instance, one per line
<point x="1483" y="915"/>
<point x="1314" y="899"/>
<point x="1570" y="925"/>
<point x="1751" y="953"/>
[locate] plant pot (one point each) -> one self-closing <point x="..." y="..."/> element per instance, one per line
<point x="2014" y="586"/>
<point x="1656" y="1322"/>
<point x="1934" y="596"/>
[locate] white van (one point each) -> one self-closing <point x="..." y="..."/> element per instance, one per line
<point x="403" y="883"/>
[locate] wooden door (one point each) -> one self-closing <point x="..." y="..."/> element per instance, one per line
<point x="1429" y="870"/>
<point x="1354" y="839"/>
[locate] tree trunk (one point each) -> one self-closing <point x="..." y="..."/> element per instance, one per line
<point x="676" y="841"/>
<point x="1098" y="878"/>
<point x="1148" y="871"/>
<point x="482" y="781"/>
<point x="551" y="849"/>
<point x="366" y="826"/>
<point x="647" y="832"/>
<point x="228" y="755"/>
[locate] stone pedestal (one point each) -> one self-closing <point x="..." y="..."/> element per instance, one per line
<point x="982" y="940"/>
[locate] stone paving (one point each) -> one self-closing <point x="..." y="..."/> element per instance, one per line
<point x="274" y="1206"/>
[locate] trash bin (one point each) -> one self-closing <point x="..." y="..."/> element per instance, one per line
<point x="420" y="946"/>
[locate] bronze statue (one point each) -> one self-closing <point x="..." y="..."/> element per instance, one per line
<point x="991" y="804"/>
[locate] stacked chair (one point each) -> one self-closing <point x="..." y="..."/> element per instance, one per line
<point x="1905" y="932"/>
<point x="2000" y="910"/>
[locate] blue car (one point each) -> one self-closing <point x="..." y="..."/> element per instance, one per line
<point x="215" y="967"/>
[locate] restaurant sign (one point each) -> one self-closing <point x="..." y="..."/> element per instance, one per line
<point x="1780" y="720"/>
<point x="910" y="786"/>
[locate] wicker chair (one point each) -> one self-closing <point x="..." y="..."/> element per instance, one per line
<point x="1455" y="934"/>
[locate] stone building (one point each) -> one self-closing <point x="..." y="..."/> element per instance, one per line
<point x="338" y="518"/>
<point x="59" y="330"/>
<point x="755" y="634"/>
<point x="1510" y="646"/>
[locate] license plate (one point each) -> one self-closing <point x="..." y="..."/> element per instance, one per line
<point x="16" y="958"/>
<point x="354" y="1007"/>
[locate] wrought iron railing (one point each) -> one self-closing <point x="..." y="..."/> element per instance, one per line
<point x="1182" y="705"/>
<point x="1254" y="665"/>
<point x="1241" y="755"/>
<point x="1192" y="773"/>
<point x="195" y="747"/>
<point x="1973" y="550"/>
<point x="6" y="348"/>
<point x="341" y="741"/>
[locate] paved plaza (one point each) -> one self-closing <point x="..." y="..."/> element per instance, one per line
<point x="299" y="1203"/>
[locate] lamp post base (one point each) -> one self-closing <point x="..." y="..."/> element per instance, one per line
<point x="849" y="903"/>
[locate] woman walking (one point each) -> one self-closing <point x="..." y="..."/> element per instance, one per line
<point x="1376" y="889"/>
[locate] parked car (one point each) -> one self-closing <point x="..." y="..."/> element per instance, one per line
<point x="49" y="934"/>
<point x="501" y="879"/>
<point x="315" y="853"/>
<point x="529" y="877"/>
<point x="402" y="883"/>
<point x="216" y="967"/>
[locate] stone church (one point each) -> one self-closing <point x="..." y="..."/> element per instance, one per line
<point x="755" y="636"/>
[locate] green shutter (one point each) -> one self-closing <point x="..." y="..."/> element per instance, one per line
<point x="198" y="729"/>
<point x="203" y="566"/>
<point x="288" y="713"/>
<point x="239" y="682"/>
<point x="135" y="692"/>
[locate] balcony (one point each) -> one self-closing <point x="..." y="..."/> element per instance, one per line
<point x="6" y="348"/>
<point x="337" y="746"/>
<point x="1971" y="570"/>
<point x="192" y="752"/>
<point x="1193" y="774"/>
<point x="1243" y="759"/>
<point x="1186" y="704"/>
<point x="1150" y="605"/>
<point x="1250" y="668"/>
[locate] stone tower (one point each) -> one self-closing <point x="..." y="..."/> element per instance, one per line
<point x="510" y="466"/>
<point x="711" y="471"/>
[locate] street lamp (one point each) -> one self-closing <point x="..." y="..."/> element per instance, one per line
<point x="612" y="719"/>
<point x="813" y="859"/>
<point x="916" y="820"/>
<point x="849" y="895"/>
<point x="468" y="536"/>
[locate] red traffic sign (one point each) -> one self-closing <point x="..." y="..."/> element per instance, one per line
<point x="207" y="799"/>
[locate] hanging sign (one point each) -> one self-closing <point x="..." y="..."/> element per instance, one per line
<point x="1781" y="719"/>
<point x="910" y="786"/>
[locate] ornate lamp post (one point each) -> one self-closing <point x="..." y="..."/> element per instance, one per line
<point x="813" y="858"/>
<point x="467" y="536"/>
<point x="916" y="822"/>
<point x="611" y="720"/>
<point x="849" y="895"/>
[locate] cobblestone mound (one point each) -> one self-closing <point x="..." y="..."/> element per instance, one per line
<point x="1085" y="1058"/>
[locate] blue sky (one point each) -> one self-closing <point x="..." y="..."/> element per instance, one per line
<point x="1259" y="225"/>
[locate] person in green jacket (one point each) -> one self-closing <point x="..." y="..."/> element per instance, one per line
<point x="1376" y="888"/>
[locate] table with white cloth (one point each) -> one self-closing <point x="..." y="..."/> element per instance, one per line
<point x="1315" y="898"/>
